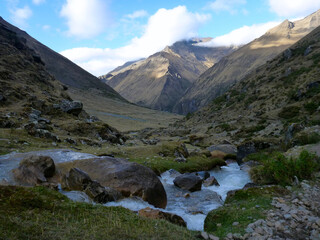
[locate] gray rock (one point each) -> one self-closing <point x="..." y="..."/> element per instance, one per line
<point x="188" y="181"/>
<point x="204" y="235"/>
<point x="72" y="107"/>
<point x="287" y="54"/>
<point x="226" y="148"/>
<point x="210" y="182"/>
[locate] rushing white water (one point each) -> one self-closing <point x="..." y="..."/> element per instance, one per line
<point x="12" y="160"/>
<point x="194" y="209"/>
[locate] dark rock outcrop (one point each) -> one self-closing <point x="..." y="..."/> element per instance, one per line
<point x="157" y="214"/>
<point x="34" y="170"/>
<point x="130" y="179"/>
<point x="72" y="107"/>
<point x="188" y="181"/>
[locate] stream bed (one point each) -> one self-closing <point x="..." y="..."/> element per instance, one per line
<point x="192" y="209"/>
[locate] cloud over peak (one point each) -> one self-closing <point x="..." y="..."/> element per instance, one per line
<point x="164" y="28"/>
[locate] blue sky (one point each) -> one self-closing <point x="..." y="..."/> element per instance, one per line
<point x="102" y="34"/>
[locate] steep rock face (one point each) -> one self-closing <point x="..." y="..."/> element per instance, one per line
<point x="232" y="68"/>
<point x="61" y="68"/>
<point x="160" y="80"/>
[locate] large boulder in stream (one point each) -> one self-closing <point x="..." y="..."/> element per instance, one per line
<point x="188" y="181"/>
<point x="157" y="214"/>
<point x="34" y="170"/>
<point x="130" y="179"/>
<point x="79" y="180"/>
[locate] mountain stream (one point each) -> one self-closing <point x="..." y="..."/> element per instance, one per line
<point x="192" y="209"/>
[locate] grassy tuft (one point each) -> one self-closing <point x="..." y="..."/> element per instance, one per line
<point x="39" y="213"/>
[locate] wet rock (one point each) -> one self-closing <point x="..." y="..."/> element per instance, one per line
<point x="34" y="170"/>
<point x="188" y="181"/>
<point x="204" y="235"/>
<point x="130" y="179"/>
<point x="211" y="181"/>
<point x="157" y="214"/>
<point x="101" y="194"/>
<point x="76" y="179"/>
<point x="203" y="175"/>
<point x="249" y="185"/>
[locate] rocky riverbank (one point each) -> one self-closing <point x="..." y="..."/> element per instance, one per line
<point x="294" y="215"/>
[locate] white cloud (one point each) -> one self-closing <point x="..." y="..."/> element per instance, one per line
<point x="85" y="18"/>
<point x="21" y="15"/>
<point x="226" y="5"/>
<point x="241" y="35"/>
<point x="46" y="27"/>
<point x="137" y="14"/>
<point x="38" y="2"/>
<point x="163" y="28"/>
<point x="296" y="8"/>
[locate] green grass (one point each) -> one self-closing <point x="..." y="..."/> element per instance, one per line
<point x="40" y="213"/>
<point x="278" y="169"/>
<point x="241" y="208"/>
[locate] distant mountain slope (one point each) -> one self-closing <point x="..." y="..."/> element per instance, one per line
<point x="280" y="100"/>
<point x="62" y="68"/>
<point x="232" y="68"/>
<point x="160" y="80"/>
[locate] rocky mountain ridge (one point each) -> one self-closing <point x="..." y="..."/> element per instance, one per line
<point x="232" y="68"/>
<point x="160" y="80"/>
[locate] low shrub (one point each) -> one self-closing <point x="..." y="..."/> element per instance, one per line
<point x="289" y="112"/>
<point x="278" y="169"/>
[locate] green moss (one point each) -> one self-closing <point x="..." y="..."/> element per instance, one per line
<point x="241" y="207"/>
<point x="39" y="213"/>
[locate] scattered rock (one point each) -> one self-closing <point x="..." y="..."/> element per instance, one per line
<point x="157" y="214"/>
<point x="150" y="141"/>
<point x="101" y="194"/>
<point x="181" y="151"/>
<point x="211" y="181"/>
<point x="34" y="170"/>
<point x="188" y="181"/>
